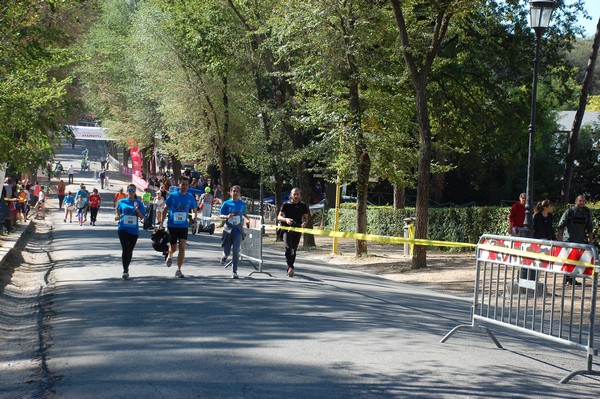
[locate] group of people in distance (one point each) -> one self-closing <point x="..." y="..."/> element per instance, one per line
<point x="575" y="225"/>
<point x="130" y="210"/>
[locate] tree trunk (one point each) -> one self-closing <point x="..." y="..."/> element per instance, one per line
<point x="438" y="180"/>
<point x="362" y="192"/>
<point x="419" y="75"/>
<point x="574" y="133"/>
<point x="177" y="166"/>
<point x="422" y="212"/>
<point x="223" y="164"/>
<point x="399" y="197"/>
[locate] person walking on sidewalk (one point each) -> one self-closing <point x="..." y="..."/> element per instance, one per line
<point x="102" y="177"/>
<point x="70" y="172"/>
<point x="178" y="206"/>
<point x="233" y="212"/>
<point x="129" y="212"/>
<point x="293" y="213"/>
<point x="576" y="225"/>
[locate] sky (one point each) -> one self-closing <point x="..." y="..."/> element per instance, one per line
<point x="593" y="8"/>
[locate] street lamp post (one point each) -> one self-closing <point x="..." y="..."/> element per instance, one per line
<point x="540" y="15"/>
<point x="261" y="192"/>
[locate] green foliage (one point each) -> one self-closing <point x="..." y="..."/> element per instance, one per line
<point x="445" y="224"/>
<point x="34" y="80"/>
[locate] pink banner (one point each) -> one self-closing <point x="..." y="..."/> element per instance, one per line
<point x="139" y="182"/>
<point x="136" y="161"/>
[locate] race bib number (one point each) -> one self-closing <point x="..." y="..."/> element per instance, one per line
<point x="235" y="220"/>
<point x="179" y="217"/>
<point x="130" y="220"/>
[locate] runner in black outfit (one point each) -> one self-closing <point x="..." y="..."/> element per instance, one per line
<point x="293" y="213"/>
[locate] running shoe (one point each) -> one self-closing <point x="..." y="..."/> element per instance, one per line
<point x="169" y="262"/>
<point x="290" y="272"/>
<point x="179" y="274"/>
<point x="125" y="275"/>
<point x="64" y="220"/>
<point x="234" y="275"/>
<point x="223" y="260"/>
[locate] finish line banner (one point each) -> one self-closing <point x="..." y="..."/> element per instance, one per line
<point x="89" y="132"/>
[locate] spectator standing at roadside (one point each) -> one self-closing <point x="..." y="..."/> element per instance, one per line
<point x="516" y="217"/>
<point x="159" y="204"/>
<point x="542" y="229"/>
<point x="36" y="193"/>
<point x="129" y="212"/>
<point x="58" y="169"/>
<point x="70" y="172"/>
<point x="293" y="213"/>
<point x="94" y="201"/>
<point x="147" y="197"/>
<point x="178" y="206"/>
<point x="60" y="193"/>
<point x="319" y="189"/>
<point x="206" y="203"/>
<point x="233" y="212"/>
<point x="23" y="203"/>
<point x="41" y="203"/>
<point x="542" y="220"/>
<point x="576" y="225"/>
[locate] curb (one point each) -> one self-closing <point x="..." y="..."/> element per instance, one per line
<point x="11" y="247"/>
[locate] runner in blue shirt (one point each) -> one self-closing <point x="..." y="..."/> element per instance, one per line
<point x="178" y="206"/>
<point x="129" y="211"/>
<point x="233" y="212"/>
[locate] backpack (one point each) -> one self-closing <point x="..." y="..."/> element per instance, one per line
<point x="160" y="240"/>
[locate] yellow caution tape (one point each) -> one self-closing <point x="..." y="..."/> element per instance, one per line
<point x="377" y="238"/>
<point x="417" y="241"/>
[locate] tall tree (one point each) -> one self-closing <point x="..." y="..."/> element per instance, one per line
<point x="430" y="20"/>
<point x="574" y="133"/>
<point x="35" y="86"/>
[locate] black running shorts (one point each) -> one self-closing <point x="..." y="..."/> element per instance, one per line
<point x="177" y="233"/>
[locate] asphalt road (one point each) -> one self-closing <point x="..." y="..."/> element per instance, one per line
<point x="325" y="333"/>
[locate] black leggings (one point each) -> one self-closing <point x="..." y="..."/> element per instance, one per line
<point x="127" y="243"/>
<point x="291" y="239"/>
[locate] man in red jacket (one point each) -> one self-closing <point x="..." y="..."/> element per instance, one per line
<point x="517" y="217"/>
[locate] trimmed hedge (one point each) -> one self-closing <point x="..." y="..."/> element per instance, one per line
<point x="445" y="224"/>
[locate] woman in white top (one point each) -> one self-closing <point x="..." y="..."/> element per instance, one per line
<point x="41" y="203"/>
<point x="159" y="206"/>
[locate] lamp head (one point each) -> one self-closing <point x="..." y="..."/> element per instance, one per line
<point x="540" y="13"/>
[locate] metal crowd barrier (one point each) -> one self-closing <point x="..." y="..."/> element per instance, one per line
<point x="525" y="285"/>
<point x="251" y="248"/>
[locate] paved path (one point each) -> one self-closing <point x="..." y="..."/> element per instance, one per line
<point x="326" y="333"/>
